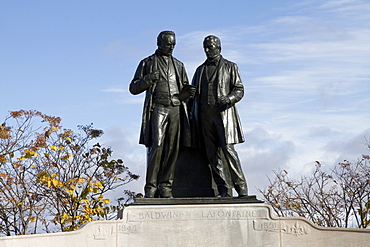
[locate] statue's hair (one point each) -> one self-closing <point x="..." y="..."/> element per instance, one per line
<point x="164" y="33"/>
<point x="215" y="39"/>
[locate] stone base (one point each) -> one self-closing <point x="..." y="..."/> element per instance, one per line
<point x="232" y="224"/>
<point x="199" y="225"/>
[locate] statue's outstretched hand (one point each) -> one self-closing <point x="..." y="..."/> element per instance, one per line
<point x="187" y="92"/>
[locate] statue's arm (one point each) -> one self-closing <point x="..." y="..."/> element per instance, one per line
<point x="237" y="88"/>
<point x="185" y="80"/>
<point x="141" y="81"/>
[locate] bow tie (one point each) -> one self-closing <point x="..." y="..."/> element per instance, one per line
<point x="211" y="62"/>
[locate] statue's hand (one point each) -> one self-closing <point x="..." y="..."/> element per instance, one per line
<point x="224" y="100"/>
<point x="191" y="91"/>
<point x="187" y="92"/>
<point x="152" y="77"/>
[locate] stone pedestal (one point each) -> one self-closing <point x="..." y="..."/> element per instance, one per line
<point x="199" y="225"/>
<point x="199" y="222"/>
<point x="223" y="222"/>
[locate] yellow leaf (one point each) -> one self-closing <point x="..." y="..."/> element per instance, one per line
<point x="98" y="184"/>
<point x="30" y="153"/>
<point x="85" y="201"/>
<point x="3" y="159"/>
<point x="65" y="217"/>
<point x="32" y="219"/>
<point x="106" y="201"/>
<point x="99" y="210"/>
<point x="65" y="157"/>
<point x="53" y="147"/>
<point x="56" y="182"/>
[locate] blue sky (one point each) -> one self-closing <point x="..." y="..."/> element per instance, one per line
<point x="305" y="66"/>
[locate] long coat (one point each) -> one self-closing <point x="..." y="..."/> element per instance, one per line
<point x="139" y="85"/>
<point x="229" y="84"/>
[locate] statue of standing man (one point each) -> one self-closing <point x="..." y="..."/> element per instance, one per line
<point x="219" y="88"/>
<point x="164" y="119"/>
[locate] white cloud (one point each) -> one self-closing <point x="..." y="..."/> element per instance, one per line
<point x="347" y="6"/>
<point x="115" y="90"/>
<point x="123" y="139"/>
<point x="263" y="152"/>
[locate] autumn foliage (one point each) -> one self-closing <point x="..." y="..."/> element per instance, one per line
<point x="50" y="177"/>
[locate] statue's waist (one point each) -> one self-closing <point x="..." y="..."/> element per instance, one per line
<point x="166" y="99"/>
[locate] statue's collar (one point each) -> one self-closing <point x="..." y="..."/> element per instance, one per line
<point x="159" y="53"/>
<point x="215" y="61"/>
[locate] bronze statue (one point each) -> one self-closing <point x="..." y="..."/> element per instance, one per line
<point x="219" y="88"/>
<point x="165" y="119"/>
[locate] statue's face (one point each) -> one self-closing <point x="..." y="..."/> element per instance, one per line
<point x="211" y="49"/>
<point x="167" y="44"/>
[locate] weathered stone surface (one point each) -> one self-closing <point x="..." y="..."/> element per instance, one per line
<point x="185" y="225"/>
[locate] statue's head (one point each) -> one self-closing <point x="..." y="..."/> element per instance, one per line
<point x="212" y="46"/>
<point x="166" y="42"/>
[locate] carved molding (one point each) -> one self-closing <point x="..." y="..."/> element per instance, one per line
<point x="296" y="228"/>
<point x="101" y="233"/>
